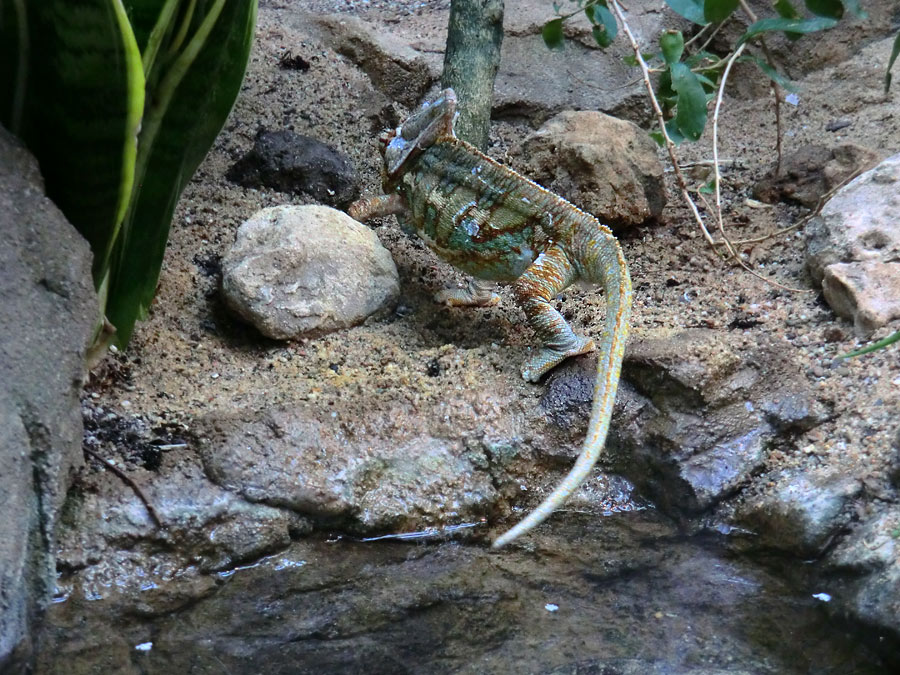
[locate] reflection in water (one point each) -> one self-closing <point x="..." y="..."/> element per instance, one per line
<point x="619" y="595"/>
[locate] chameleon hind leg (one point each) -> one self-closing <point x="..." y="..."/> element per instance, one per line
<point x="477" y="294"/>
<point x="550" y="273"/>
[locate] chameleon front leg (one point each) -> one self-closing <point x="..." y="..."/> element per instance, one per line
<point x="547" y="276"/>
<point x="477" y="294"/>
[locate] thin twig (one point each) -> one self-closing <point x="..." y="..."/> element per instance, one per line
<point x="711" y="36"/>
<point x="109" y="466"/>
<point x="670" y="146"/>
<point x="805" y="219"/>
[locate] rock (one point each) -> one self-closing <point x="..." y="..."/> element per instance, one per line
<point x="394" y="67"/>
<point x="523" y="90"/>
<point x="293" y="163"/>
<point x="306" y="270"/>
<point x="49" y="309"/>
<point x="853" y="248"/>
<point x="873" y="550"/>
<point x="606" y="166"/>
<point x="364" y="470"/>
<point x="809" y="173"/>
<point x="110" y="538"/>
<point x="867" y="293"/>
<point x="697" y="411"/>
<point x="802" y="513"/>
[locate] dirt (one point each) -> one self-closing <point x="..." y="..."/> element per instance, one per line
<point x="190" y="357"/>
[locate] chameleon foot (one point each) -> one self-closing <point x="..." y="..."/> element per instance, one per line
<point x="548" y="358"/>
<point x="477" y="294"/>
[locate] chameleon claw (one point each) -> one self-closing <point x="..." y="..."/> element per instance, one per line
<point x="477" y="294"/>
<point x="461" y="297"/>
<point x="548" y="358"/>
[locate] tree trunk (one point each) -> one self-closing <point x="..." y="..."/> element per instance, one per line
<point x="470" y="64"/>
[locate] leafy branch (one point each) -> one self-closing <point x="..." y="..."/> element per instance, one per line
<point x="689" y="80"/>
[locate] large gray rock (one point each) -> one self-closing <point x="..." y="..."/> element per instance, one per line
<point x="695" y="413"/>
<point x="109" y="536"/>
<point x="606" y="166"/>
<point x="853" y="248"/>
<point x="393" y="66"/>
<point x="362" y="468"/>
<point x="306" y="270"/>
<point x="49" y="310"/>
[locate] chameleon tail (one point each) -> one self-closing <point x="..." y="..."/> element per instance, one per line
<point x="601" y="262"/>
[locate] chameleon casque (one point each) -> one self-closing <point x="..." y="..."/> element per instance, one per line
<point x="490" y="222"/>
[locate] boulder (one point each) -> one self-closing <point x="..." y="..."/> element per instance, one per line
<point x="50" y="310"/>
<point x="297" y="164"/>
<point x="853" y="248"/>
<point x="306" y="270"/>
<point x="606" y="166"/>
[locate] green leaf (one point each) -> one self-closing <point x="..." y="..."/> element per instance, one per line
<point x="552" y="33"/>
<point x="716" y="11"/>
<point x="692" y="10"/>
<point x="198" y="80"/>
<point x="895" y="51"/>
<point x="81" y="93"/>
<point x="804" y="26"/>
<point x="833" y="9"/>
<point x="890" y="339"/>
<point x="708" y="84"/>
<point x="690" y="114"/>
<point x="658" y="137"/>
<point x="853" y="7"/>
<point x="671" y="42"/>
<point x="605" y="32"/>
<point x="708" y="188"/>
<point x="631" y="59"/>
<point x="770" y="72"/>
<point x="786" y="9"/>
<point x="674" y="132"/>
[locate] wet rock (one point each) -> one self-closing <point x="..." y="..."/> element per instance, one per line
<point x="108" y="533"/>
<point x="606" y="166"/>
<point x="874" y="551"/>
<point x="698" y="411"/>
<point x="49" y="309"/>
<point x="393" y="66"/>
<point x="853" y="247"/>
<point x="294" y="163"/>
<point x="802" y="512"/>
<point x="366" y="470"/>
<point x="300" y="270"/>
<point x="809" y="173"/>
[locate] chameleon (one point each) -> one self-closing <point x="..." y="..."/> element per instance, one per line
<point x="498" y="226"/>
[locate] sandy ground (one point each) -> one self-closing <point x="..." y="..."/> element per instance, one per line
<point x="190" y="357"/>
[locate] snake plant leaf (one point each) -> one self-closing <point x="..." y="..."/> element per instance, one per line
<point x="75" y="97"/>
<point x="200" y="73"/>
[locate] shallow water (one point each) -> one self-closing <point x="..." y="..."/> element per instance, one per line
<point x="625" y="594"/>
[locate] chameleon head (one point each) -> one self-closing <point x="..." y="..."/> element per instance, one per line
<point x="420" y="130"/>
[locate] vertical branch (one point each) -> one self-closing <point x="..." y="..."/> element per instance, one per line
<point x="776" y="89"/>
<point x="471" y="59"/>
